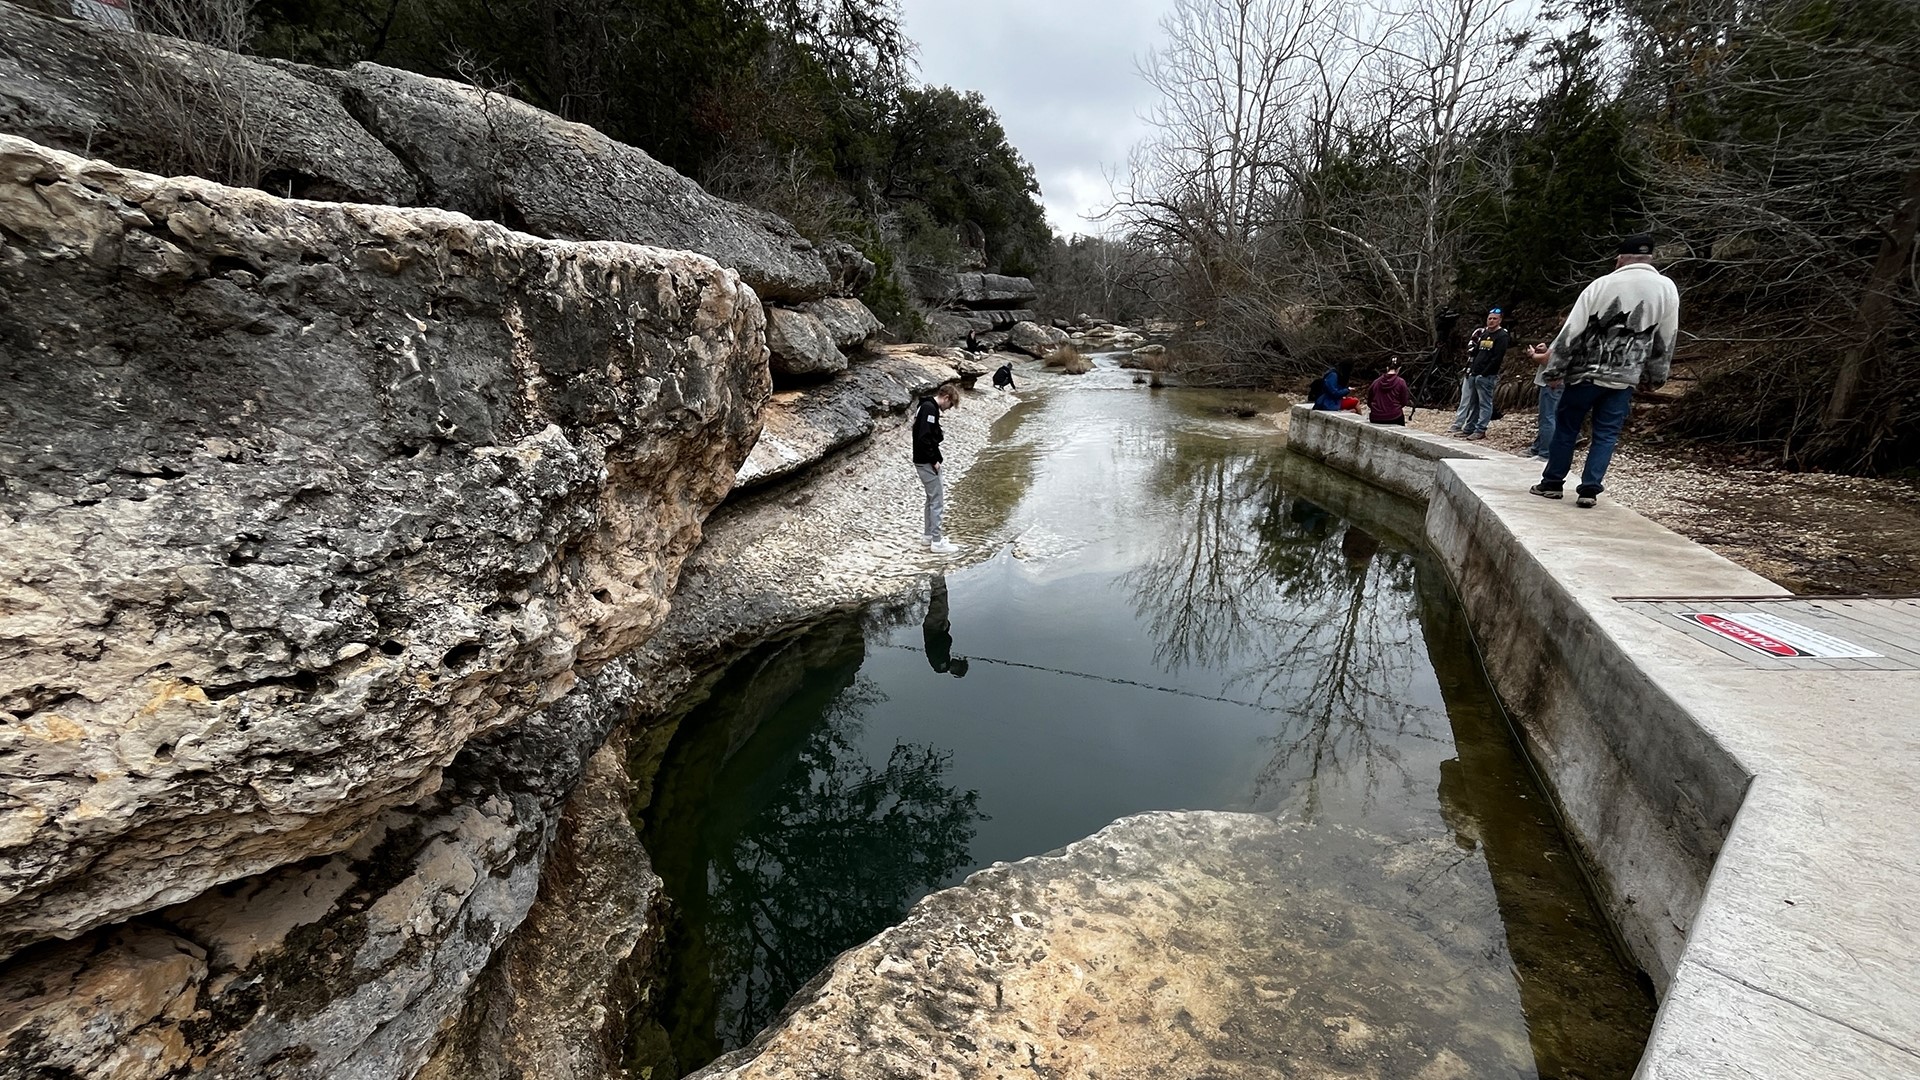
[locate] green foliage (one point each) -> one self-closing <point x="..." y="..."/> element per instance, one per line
<point x="885" y="296"/>
<point x="1541" y="227"/>
<point x="797" y="106"/>
<point x="949" y="157"/>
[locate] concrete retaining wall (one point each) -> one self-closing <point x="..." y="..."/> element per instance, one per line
<point x="1755" y="832"/>
<point x="1385" y="455"/>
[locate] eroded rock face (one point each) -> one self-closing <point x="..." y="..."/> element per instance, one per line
<point x="994" y="291"/>
<point x="1035" y="340"/>
<point x="847" y="320"/>
<point x="165" y="105"/>
<point x="1170" y="944"/>
<point x="547" y="1007"/>
<point x="298" y="499"/>
<point x="493" y="157"/>
<point x="801" y="345"/>
<point x="803" y="426"/>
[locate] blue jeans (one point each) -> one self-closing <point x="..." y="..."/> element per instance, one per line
<point x="1549" y="406"/>
<point x="1476" y="403"/>
<point x="1609" y="408"/>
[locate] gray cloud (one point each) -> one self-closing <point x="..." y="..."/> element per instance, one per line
<point x="1060" y="73"/>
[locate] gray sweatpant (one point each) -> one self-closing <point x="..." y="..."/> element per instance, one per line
<point x="936" y="499"/>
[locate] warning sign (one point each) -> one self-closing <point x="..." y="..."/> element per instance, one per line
<point x="1775" y="636"/>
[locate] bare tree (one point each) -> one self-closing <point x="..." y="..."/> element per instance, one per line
<point x="182" y="88"/>
<point x="1792" y="173"/>
<point x="1308" y="163"/>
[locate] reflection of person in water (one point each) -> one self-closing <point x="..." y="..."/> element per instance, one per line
<point x="937" y="631"/>
<point x="1359" y="546"/>
<point x="1311" y="519"/>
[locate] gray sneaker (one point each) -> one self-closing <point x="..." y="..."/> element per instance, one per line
<point x="1585" y="502"/>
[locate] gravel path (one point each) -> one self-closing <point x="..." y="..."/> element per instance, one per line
<point x="1812" y="532"/>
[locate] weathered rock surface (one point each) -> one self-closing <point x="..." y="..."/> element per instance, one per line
<point x="350" y="965"/>
<point x="1171" y="944"/>
<point x="952" y="327"/>
<point x="804" y="426"/>
<point x="1035" y="340"/>
<point x="846" y="319"/>
<point x="547" y="1006"/>
<point x="162" y="105"/>
<point x="994" y="291"/>
<point x="801" y="345"/>
<point x="490" y="156"/>
<point x="297" y="499"/>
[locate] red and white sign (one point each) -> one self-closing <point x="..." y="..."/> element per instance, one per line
<point x="1774" y="636"/>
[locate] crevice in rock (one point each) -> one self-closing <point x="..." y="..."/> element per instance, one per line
<point x="301" y="682"/>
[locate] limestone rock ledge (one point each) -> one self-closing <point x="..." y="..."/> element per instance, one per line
<point x="1170" y="944"/>
<point x="297" y="501"/>
<point x="805" y="425"/>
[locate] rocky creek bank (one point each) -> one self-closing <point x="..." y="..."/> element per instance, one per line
<point x="331" y="529"/>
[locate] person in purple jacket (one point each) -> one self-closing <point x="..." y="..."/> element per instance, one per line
<point x="1388" y="397"/>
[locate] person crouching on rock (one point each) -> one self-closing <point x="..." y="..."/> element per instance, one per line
<point x="1003" y="376"/>
<point x="927" y="434"/>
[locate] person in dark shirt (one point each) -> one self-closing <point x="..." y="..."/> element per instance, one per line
<point x="1388" y="397"/>
<point x="1330" y="392"/>
<point x="936" y="631"/>
<point x="1003" y="376"/>
<point x="1486" y="351"/>
<point x="927" y="435"/>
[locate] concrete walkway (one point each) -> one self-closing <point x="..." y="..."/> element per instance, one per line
<point x="1753" y="820"/>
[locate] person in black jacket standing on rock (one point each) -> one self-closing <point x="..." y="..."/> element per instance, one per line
<point x="927" y="434"/>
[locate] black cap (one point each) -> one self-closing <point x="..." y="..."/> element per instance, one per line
<point x="1637" y="244"/>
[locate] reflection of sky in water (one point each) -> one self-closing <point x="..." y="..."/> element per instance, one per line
<point x="1174" y="620"/>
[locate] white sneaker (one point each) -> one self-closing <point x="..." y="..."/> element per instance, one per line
<point x="943" y="547"/>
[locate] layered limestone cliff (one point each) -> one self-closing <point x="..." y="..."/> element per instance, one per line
<point x="330" y="536"/>
<point x="325" y="528"/>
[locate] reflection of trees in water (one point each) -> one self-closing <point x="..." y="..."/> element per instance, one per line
<point x="836" y="853"/>
<point x="1296" y="609"/>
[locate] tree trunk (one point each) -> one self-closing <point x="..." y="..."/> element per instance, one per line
<point x="1878" y="305"/>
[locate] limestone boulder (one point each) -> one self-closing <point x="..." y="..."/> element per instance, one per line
<point x="934" y="286"/>
<point x="849" y="270"/>
<point x="946" y="328"/>
<point x="170" y="106"/>
<point x="1174" y="944"/>
<point x="801" y="345"/>
<point x="994" y="291"/>
<point x="847" y="320"/>
<point x="544" y="1008"/>
<point x="299" y="499"/>
<point x="1035" y="340"/>
<point x="490" y="156"/>
<point x="803" y="426"/>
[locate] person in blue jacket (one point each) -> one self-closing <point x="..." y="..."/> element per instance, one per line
<point x="1330" y="393"/>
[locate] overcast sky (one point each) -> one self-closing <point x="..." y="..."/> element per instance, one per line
<point x="1060" y="73"/>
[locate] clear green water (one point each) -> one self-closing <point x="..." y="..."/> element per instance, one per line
<point x="1177" y="614"/>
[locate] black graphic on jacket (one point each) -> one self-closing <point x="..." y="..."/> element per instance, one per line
<point x="1620" y="330"/>
<point x="1486" y="349"/>
<point x="927" y="433"/>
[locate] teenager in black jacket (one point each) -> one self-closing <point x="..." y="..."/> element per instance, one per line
<point x="927" y="434"/>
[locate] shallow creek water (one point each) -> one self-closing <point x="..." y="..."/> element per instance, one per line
<point x="1176" y="614"/>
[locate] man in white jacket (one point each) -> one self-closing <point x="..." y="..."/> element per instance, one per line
<point x="1619" y="334"/>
